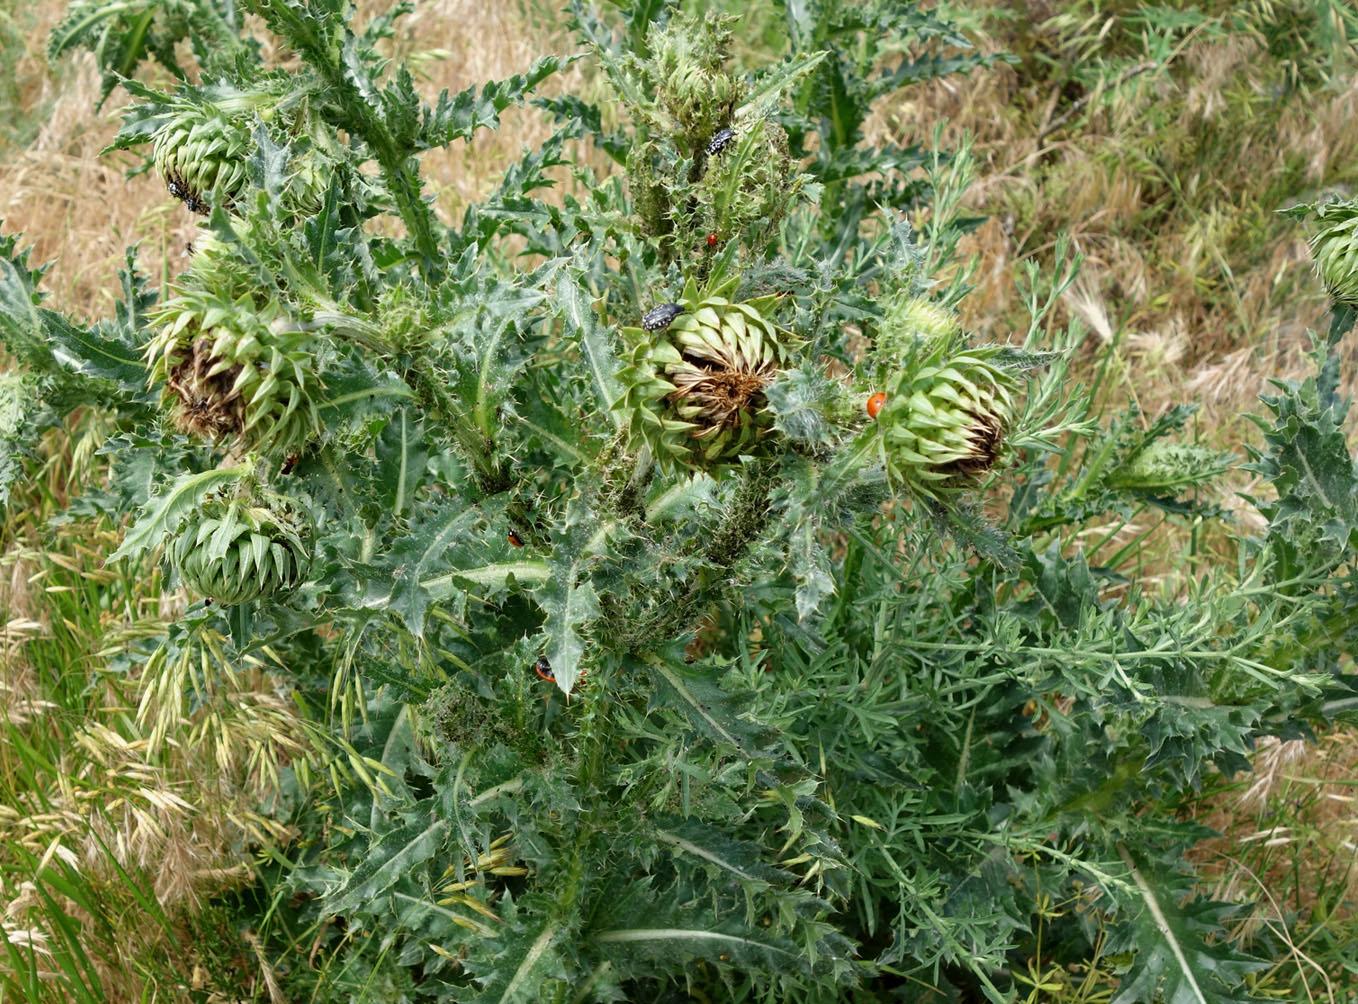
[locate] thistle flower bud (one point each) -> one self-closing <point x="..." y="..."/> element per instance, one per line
<point x="1335" y="248"/>
<point x="943" y="422"/>
<point x="694" y="391"/>
<point x="242" y="550"/>
<point x="201" y="151"/>
<point x="232" y="368"/>
<point x="910" y="324"/>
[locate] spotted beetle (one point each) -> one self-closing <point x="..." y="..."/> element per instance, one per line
<point x="661" y="316"/>
<point x="543" y="668"/>
<point x="720" y="141"/>
<point x="179" y="190"/>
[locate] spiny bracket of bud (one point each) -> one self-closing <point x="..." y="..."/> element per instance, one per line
<point x="694" y="390"/>
<point x="943" y="421"/>
<point x="910" y="326"/>
<point x="240" y="549"/>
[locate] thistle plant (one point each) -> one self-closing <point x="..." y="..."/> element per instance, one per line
<point x="643" y="554"/>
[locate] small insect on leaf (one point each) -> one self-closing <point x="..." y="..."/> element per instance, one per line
<point x="875" y="404"/>
<point x="661" y="316"/>
<point x="711" y="240"/>
<point x="720" y="141"/>
<point x="515" y="539"/>
<point x="543" y="668"/>
<point x="290" y="463"/>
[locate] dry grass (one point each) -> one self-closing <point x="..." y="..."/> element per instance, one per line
<point x="111" y="814"/>
<point x="1289" y="849"/>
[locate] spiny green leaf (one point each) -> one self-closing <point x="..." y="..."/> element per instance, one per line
<point x="568" y="598"/>
<point x="1174" y="962"/>
<point x="165" y="511"/>
<point x="460" y="116"/>
<point x="583" y="327"/>
<point x="390" y="858"/>
<point x="401" y="459"/>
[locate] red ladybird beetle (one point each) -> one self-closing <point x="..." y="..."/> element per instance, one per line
<point x="711" y="240"/>
<point x="515" y="539"/>
<point x="875" y="404"/>
<point x="543" y="668"/>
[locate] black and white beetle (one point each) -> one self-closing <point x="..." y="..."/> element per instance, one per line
<point x="179" y="190"/>
<point x="661" y="316"/>
<point x="720" y="141"/>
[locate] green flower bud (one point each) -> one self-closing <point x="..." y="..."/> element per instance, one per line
<point x="1335" y="249"/>
<point x="200" y="152"/>
<point x="694" y="383"/>
<point x="231" y="368"/>
<point x="910" y="322"/>
<point x="1164" y="467"/>
<point x="943" y="422"/>
<point x="239" y="550"/>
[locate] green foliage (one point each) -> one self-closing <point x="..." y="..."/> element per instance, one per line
<point x="124" y="35"/>
<point x="825" y="713"/>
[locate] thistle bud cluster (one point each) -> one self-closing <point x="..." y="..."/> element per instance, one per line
<point x="201" y="147"/>
<point x="946" y="407"/>
<point x="706" y="168"/>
